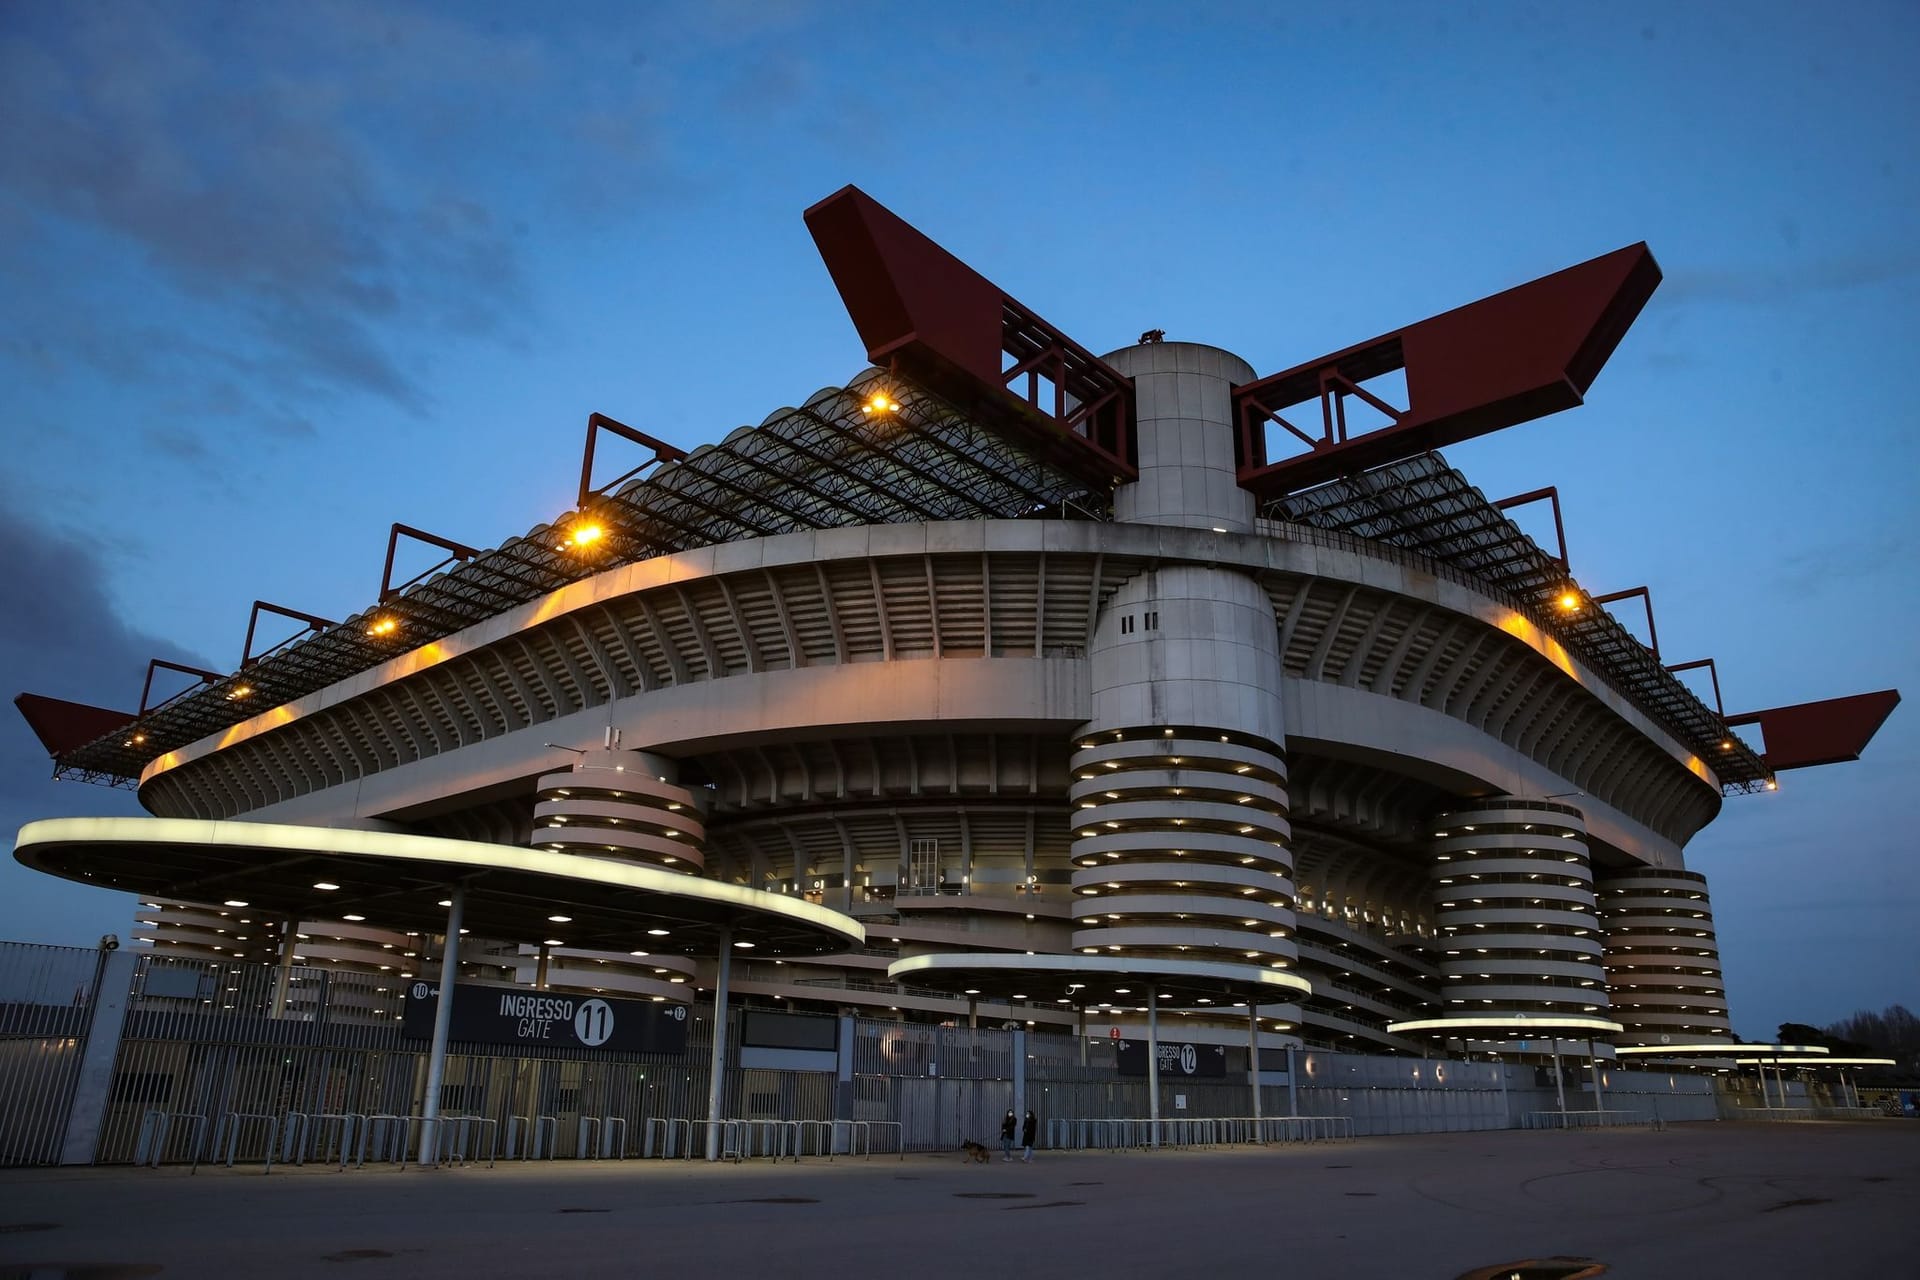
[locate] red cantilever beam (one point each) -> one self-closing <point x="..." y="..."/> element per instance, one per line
<point x="1495" y="363"/>
<point x="1829" y="732"/>
<point x="924" y="312"/>
<point x="61" y="726"/>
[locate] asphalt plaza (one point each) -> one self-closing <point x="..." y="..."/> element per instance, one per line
<point x="1696" y="1201"/>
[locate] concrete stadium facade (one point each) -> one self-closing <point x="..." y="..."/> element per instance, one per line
<point x="1185" y="732"/>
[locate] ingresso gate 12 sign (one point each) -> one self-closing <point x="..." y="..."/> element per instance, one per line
<point x="1177" y="1058"/>
<point x="514" y="1015"/>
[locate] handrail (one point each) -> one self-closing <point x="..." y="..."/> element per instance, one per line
<point x="387" y="1134"/>
<point x="156" y="1125"/>
<point x="234" y="1121"/>
<point x="1080" y="1133"/>
<point x="1601" y="1119"/>
<point x="454" y="1132"/>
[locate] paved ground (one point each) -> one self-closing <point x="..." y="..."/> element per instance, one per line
<point x="1692" y="1203"/>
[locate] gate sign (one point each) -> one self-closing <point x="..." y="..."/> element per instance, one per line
<point x="1177" y="1058"/>
<point x="514" y="1015"/>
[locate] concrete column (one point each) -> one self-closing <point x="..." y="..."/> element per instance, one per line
<point x="1020" y="1075"/>
<point x="1559" y="1085"/>
<point x="1253" y="1062"/>
<point x="1153" y="1065"/>
<point x="843" y="1083"/>
<point x="1184" y="679"/>
<point x="1593" y="1065"/>
<point x="283" y="973"/>
<point x="442" y="1022"/>
<point x="717" y="1064"/>
<point x="93" y="1082"/>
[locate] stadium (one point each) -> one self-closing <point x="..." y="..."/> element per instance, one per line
<point x="1066" y="677"/>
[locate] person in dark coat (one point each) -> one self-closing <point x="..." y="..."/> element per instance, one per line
<point x="1007" y="1127"/>
<point x="1026" y="1136"/>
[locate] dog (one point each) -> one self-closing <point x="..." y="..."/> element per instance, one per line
<point x="974" y="1151"/>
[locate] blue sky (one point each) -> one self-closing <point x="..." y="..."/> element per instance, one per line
<point x="272" y="277"/>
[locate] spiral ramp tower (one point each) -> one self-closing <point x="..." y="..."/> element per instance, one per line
<point x="1662" y="959"/>
<point x="1521" y="950"/>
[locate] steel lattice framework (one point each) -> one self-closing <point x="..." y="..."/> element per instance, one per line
<point x="978" y="409"/>
<point x="833" y="462"/>
<point x="1425" y="506"/>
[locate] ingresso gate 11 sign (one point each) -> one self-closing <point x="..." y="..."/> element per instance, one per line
<point x="514" y="1015"/>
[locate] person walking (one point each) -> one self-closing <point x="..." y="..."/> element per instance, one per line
<point x="1026" y="1136"/>
<point x="1007" y="1127"/>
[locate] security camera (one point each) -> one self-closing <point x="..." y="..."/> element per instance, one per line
<point x="109" y="942"/>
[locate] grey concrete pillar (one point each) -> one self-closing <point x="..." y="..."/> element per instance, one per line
<point x="1153" y="1065"/>
<point x="843" y="1085"/>
<point x="717" y="1063"/>
<point x="442" y="1022"/>
<point x="93" y="1083"/>
<point x="1020" y="1074"/>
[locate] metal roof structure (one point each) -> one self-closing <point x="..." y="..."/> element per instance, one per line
<point x="940" y="430"/>
<point x="837" y="462"/>
<point x="1424" y="506"/>
<point x="833" y="462"/>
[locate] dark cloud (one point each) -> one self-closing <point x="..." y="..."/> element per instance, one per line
<point x="1775" y="285"/>
<point x="62" y="638"/>
<point x="297" y="168"/>
<point x="1828" y="566"/>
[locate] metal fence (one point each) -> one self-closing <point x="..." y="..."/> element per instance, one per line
<point x="253" y="1063"/>
<point x="46" y="1002"/>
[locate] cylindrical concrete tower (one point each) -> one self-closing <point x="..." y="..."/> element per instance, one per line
<point x="1663" y="964"/>
<point x="1180" y="781"/>
<point x="624" y="805"/>
<point x="1514" y="903"/>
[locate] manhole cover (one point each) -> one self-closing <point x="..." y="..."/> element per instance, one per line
<point x="9" y="1228"/>
<point x="1045" y="1204"/>
<point x="583" y="1211"/>
<point x="774" y="1200"/>
<point x="1556" y="1268"/>
<point x="1363" y="1193"/>
<point x="355" y="1255"/>
<point x="993" y="1195"/>
<point x="1086" y="1184"/>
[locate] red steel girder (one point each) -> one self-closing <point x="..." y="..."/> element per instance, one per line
<point x="1832" y="731"/>
<point x="924" y="312"/>
<point x="61" y="726"/>
<point x="661" y="452"/>
<point x="248" y="657"/>
<point x="1498" y="362"/>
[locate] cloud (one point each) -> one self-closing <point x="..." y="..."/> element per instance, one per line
<point x="79" y="649"/>
<point x="1823" y="567"/>
<point x="299" y="169"/>
<point x="1778" y="285"/>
